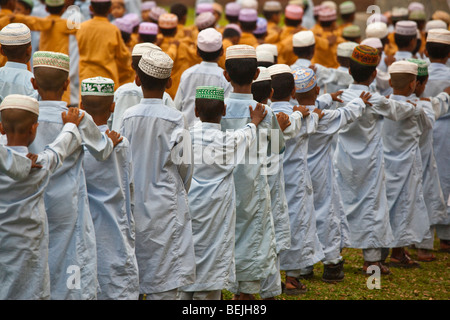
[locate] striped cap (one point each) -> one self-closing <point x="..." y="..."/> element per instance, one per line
<point x="15" y="34"/>
<point x="240" y="51"/>
<point x="51" y="59"/>
<point x="209" y="92"/>
<point x="365" y="55"/>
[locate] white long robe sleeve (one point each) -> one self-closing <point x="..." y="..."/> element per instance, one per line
<point x="14" y="165"/>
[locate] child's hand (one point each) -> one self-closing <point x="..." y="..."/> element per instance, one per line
<point x="409" y="101"/>
<point x="303" y="110"/>
<point x="447" y="90"/>
<point x="365" y="96"/>
<point x="389" y="60"/>
<point x="283" y="120"/>
<point x="319" y="112"/>
<point x="72" y="116"/>
<point x="258" y="114"/>
<point x="335" y="95"/>
<point x="114" y="136"/>
<point x="425" y="99"/>
<point x="33" y="157"/>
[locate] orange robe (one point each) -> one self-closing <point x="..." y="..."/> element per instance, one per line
<point x="4" y="21"/>
<point x="327" y="57"/>
<point x="391" y="48"/>
<point x="273" y="33"/>
<point x="248" y="39"/>
<point x="225" y="44"/>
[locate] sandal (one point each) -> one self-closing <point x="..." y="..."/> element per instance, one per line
<point x="403" y="262"/>
<point x="384" y="269"/>
<point x="445" y="246"/>
<point x="425" y="255"/>
<point x="294" y="287"/>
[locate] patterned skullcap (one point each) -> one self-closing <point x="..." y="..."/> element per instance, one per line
<point x="422" y="66"/>
<point x="327" y="15"/>
<point x="406" y="28"/>
<point x="305" y="79"/>
<point x="209" y="92"/>
<point x="149" y="28"/>
<point x="15" y="34"/>
<point x="293" y="12"/>
<point x="167" y="21"/>
<point x="18" y="101"/>
<point x="365" y="55"/>
<point x="240" y="51"/>
<point x="209" y="40"/>
<point x="124" y="25"/>
<point x="272" y="6"/>
<point x="156" y="12"/>
<point x="156" y="64"/>
<point x="51" y="59"/>
<point x="439" y="36"/>
<point x="141" y="48"/>
<point x="261" y="26"/>
<point x="232" y="9"/>
<point x="97" y="86"/>
<point x="205" y="20"/>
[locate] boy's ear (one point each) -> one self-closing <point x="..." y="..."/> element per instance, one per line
<point x="169" y="83"/>
<point x="34" y="128"/>
<point x="256" y="74"/>
<point x="137" y="80"/>
<point x="66" y="84"/>
<point x="292" y="93"/>
<point x="34" y="83"/>
<point x="1" y="51"/>
<point x="224" y="110"/>
<point x="226" y="75"/>
<point x="113" y="106"/>
<point x="2" y="131"/>
<point x="271" y="94"/>
<point x="390" y="83"/>
<point x="196" y="112"/>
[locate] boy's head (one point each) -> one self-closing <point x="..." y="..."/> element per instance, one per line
<point x="167" y="23"/>
<point x="146" y="7"/>
<point x="420" y="17"/>
<point x="15" y="40"/>
<point x="19" y="116"/>
<point x="438" y="44"/>
<point x="262" y="87"/>
<point x="272" y="48"/>
<point x="327" y="17"/>
<point x="209" y="103"/>
<point x="283" y="84"/>
<point x="148" y="32"/>
<point x="293" y="15"/>
<point x="272" y="11"/>
<point x="247" y="19"/>
<point x="118" y="9"/>
<point x="405" y="35"/>
<point x="154" y="70"/>
<point x="261" y="29"/>
<point x="352" y="33"/>
<point x="139" y="50"/>
<point x="180" y="10"/>
<point x="8" y="4"/>
<point x="97" y="98"/>
<point x="241" y="65"/>
<point x="344" y="52"/>
<point x="55" y="7"/>
<point x="232" y="12"/>
<point x="205" y="20"/>
<point x="51" y="72"/>
<point x="306" y="88"/>
<point x="209" y="45"/>
<point x="232" y="32"/>
<point x="378" y="30"/>
<point x="265" y="58"/>
<point x="363" y="64"/>
<point x="101" y="7"/>
<point x="155" y="13"/>
<point x="24" y="7"/>
<point x="304" y="44"/>
<point x="134" y="20"/>
<point x="125" y="27"/>
<point x="422" y="76"/>
<point x="403" y="77"/>
<point x="347" y="10"/>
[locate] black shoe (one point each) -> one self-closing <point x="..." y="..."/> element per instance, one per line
<point x="333" y="272"/>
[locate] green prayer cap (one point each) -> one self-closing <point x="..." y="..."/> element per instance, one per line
<point x="209" y="92"/>
<point x="422" y="65"/>
<point x="417" y="15"/>
<point x="97" y="86"/>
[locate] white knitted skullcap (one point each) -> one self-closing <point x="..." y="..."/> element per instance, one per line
<point x="15" y="34"/>
<point x="264" y="75"/>
<point x="156" y="64"/>
<point x="141" y="48"/>
<point x="403" y="67"/>
<point x="18" y="101"/>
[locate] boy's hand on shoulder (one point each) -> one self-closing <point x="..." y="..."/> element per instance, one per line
<point x="283" y="120"/>
<point x="335" y="96"/>
<point x="303" y="110"/>
<point x="33" y="157"/>
<point x="319" y="112"/>
<point x="365" y="97"/>
<point x="73" y="115"/>
<point x="409" y="101"/>
<point x="447" y="90"/>
<point x="425" y="99"/>
<point x="114" y="136"/>
<point x="258" y="114"/>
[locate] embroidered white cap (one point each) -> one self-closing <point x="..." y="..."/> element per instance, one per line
<point x="156" y="64"/>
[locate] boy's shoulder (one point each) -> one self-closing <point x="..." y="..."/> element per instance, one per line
<point x="154" y="110"/>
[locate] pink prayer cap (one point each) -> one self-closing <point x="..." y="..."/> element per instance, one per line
<point x="123" y="25"/>
<point x="232" y="9"/>
<point x="293" y="12"/>
<point x="148" y="28"/>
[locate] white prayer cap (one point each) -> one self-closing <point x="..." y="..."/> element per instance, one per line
<point x="18" y="101"/>
<point x="209" y="40"/>
<point x="303" y="39"/>
<point x="240" y="51"/>
<point x="439" y="36"/>
<point x="249" y="4"/>
<point x="264" y="75"/>
<point x="377" y="30"/>
<point x="416" y="6"/>
<point x="205" y="20"/>
<point x="406" y="28"/>
<point x="15" y="34"/>
<point x="400" y="12"/>
<point x="156" y="64"/>
<point x="97" y="86"/>
<point x="372" y="42"/>
<point x="264" y="56"/>
<point x="272" y="6"/>
<point x="330" y="4"/>
<point x="403" y="67"/>
<point x="148" y="5"/>
<point x="272" y="48"/>
<point x="49" y="59"/>
<point x="141" y="48"/>
<point x="279" y="68"/>
<point x="345" y="49"/>
<point x="435" y="24"/>
<point x="347" y="7"/>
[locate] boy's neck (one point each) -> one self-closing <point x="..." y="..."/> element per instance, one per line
<point x="307" y="102"/>
<point x="281" y="100"/>
<point x="246" y="88"/>
<point x="100" y="15"/>
<point x="22" y="61"/>
<point x="401" y="92"/>
<point x="152" y="94"/>
<point x="436" y="60"/>
<point x="100" y="120"/>
<point x="364" y="83"/>
<point x="17" y="140"/>
<point x="50" y="96"/>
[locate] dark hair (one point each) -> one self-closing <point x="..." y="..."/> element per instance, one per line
<point x="282" y="85"/>
<point x="326" y="24"/>
<point x="360" y="73"/>
<point x="438" y="50"/>
<point x="261" y="90"/>
<point x="148" y="38"/>
<point x="403" y="41"/>
<point x="269" y="14"/>
<point x="248" y="26"/>
<point x="135" y="62"/>
<point x="292" y="22"/>
<point x="418" y="45"/>
<point x="55" y="10"/>
<point x="15" y="52"/>
<point x="210" y="56"/>
<point x="384" y="41"/>
<point x="101" y="8"/>
<point x="151" y="83"/>
<point x="241" y="71"/>
<point x="260" y="35"/>
<point x="26" y="5"/>
<point x="50" y="79"/>
<point x="352" y="39"/>
<point x="168" y="32"/>
<point x="125" y="36"/>
<point x="265" y="64"/>
<point x="232" y="19"/>
<point x="347" y="16"/>
<point x="230" y="33"/>
<point x="209" y="109"/>
<point x="305" y="52"/>
<point x="179" y="9"/>
<point x="343" y="61"/>
<point x="422" y="79"/>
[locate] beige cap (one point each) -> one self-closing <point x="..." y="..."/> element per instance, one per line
<point x="141" y="48"/>
<point x="240" y="51"/>
<point x="156" y="64"/>
<point x="377" y="30"/>
<point x="18" y="101"/>
<point x="403" y="67"/>
<point x="264" y="75"/>
<point x="279" y="68"/>
<point x="439" y="36"/>
<point x="303" y="39"/>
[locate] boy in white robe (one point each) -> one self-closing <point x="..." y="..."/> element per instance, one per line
<point x="162" y="176"/>
<point x="110" y="192"/>
<point x="212" y="200"/>
<point x="14" y="165"/>
<point x="24" y="268"/>
<point x="403" y="167"/>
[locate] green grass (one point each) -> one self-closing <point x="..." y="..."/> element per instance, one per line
<point x="430" y="282"/>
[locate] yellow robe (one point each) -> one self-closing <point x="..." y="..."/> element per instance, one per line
<point x="328" y="57"/>
<point x="286" y="53"/>
<point x="273" y="33"/>
<point x="4" y="21"/>
<point x="248" y="39"/>
<point x="225" y="44"/>
<point x="391" y="48"/>
<point x="103" y="52"/>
